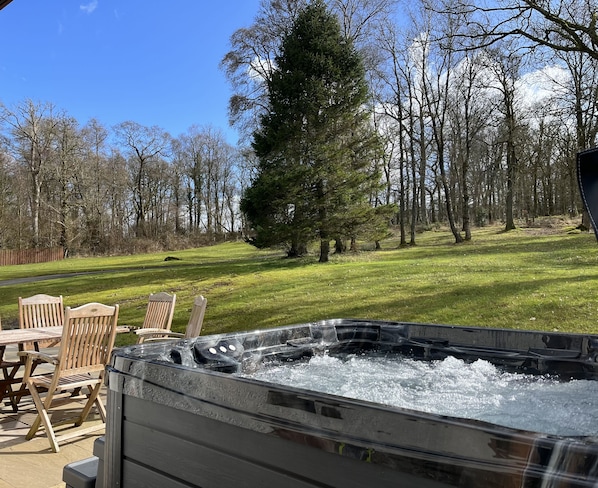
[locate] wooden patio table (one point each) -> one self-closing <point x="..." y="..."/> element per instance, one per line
<point x="21" y="337"/>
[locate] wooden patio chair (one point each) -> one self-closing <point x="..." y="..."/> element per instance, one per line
<point x="193" y="326"/>
<point x="37" y="311"/>
<point x="158" y="316"/>
<point x="85" y="347"/>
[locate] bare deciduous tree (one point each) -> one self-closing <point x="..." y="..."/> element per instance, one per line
<point x="565" y="26"/>
<point x="144" y="146"/>
<point x="32" y="127"/>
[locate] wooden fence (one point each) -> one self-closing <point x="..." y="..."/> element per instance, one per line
<point x="30" y="256"/>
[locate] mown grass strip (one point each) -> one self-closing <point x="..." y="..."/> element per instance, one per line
<point x="522" y="279"/>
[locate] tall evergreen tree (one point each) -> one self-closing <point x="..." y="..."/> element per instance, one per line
<point x="316" y="146"/>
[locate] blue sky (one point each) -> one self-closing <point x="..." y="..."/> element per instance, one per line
<point x="155" y="63"/>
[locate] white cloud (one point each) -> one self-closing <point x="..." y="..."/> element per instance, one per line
<point x="90" y="7"/>
<point x="537" y="87"/>
<point x="261" y="69"/>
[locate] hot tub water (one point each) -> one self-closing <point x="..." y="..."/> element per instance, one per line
<point x="476" y="390"/>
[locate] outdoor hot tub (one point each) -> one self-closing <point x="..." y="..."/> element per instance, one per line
<point x="211" y="412"/>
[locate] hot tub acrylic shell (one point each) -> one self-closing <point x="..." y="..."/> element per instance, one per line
<point x="201" y="425"/>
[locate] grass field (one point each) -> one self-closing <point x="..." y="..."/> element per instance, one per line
<point x="542" y="279"/>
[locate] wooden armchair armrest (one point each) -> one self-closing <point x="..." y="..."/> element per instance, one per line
<point x="151" y="334"/>
<point x="31" y="357"/>
<point x="165" y="335"/>
<point x="150" y="331"/>
<point x="38" y="356"/>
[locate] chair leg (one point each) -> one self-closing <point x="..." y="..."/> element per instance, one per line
<point x="9" y="371"/>
<point x="42" y="416"/>
<point x="9" y="378"/>
<point x="92" y="399"/>
<point x="101" y="408"/>
<point x="23" y="391"/>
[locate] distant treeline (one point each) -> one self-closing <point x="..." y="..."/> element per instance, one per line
<point x="479" y="126"/>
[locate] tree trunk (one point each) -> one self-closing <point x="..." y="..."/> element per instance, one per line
<point x="510" y="222"/>
<point x="447" y="196"/>
<point x="324" y="250"/>
<point x="298" y="249"/>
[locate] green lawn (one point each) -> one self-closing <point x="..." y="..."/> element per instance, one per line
<point x="524" y="279"/>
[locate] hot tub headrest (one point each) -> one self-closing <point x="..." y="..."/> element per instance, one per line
<point x="224" y="356"/>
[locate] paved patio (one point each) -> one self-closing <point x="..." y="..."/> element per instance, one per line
<point x="31" y="464"/>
